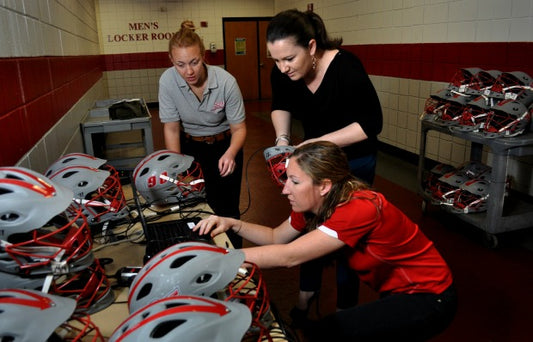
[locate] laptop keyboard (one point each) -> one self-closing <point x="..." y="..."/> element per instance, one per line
<point x="161" y="235"/>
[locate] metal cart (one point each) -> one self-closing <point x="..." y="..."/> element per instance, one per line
<point x="122" y="153"/>
<point x="504" y="213"/>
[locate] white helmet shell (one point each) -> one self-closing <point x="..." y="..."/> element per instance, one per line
<point x="29" y="315"/>
<point x="188" y="268"/>
<point x="186" y="318"/>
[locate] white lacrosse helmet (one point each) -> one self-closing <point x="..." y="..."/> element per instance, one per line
<point x="508" y="118"/>
<point x="97" y="190"/>
<point x="74" y="159"/>
<point x="187" y="268"/>
<point x="276" y="159"/>
<point x="186" y="318"/>
<point x="30" y="315"/>
<point x="90" y="288"/>
<point x="249" y="288"/>
<point x="165" y="177"/>
<point x="464" y="78"/>
<point x="40" y="230"/>
<point x="472" y="196"/>
<point x="452" y="110"/>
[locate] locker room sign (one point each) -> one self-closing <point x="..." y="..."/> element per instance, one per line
<point x="138" y="33"/>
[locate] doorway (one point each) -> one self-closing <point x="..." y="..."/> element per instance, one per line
<point x="246" y="56"/>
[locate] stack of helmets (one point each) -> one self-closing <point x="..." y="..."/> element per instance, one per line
<point x="96" y="186"/>
<point x="45" y="243"/>
<point x="461" y="190"/>
<point x="98" y="193"/>
<point x="486" y="102"/>
<point x="196" y="275"/>
<point x="40" y="231"/>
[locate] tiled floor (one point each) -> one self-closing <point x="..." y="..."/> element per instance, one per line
<point x="495" y="285"/>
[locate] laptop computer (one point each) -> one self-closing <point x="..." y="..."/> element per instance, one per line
<point x="163" y="234"/>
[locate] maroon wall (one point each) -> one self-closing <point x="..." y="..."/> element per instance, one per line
<point x="36" y="92"/>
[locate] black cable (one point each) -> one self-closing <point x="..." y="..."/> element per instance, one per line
<point x="137" y="201"/>
<point x="285" y="330"/>
<point x="247" y="181"/>
<point x="184" y="213"/>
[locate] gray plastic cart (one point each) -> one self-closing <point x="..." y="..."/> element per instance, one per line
<point x="504" y="213"/>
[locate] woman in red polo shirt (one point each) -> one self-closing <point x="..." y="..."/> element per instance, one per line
<point x="334" y="211"/>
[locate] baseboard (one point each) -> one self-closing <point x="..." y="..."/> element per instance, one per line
<point x="402" y="154"/>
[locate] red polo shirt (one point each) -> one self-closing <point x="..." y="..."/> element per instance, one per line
<point x="388" y="251"/>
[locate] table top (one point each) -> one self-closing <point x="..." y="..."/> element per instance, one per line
<point x="128" y="254"/>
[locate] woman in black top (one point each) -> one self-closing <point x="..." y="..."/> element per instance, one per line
<point x="329" y="91"/>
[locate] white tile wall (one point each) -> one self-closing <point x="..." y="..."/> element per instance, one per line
<point x="427" y="21"/>
<point x="47" y="28"/>
<point x="134" y="83"/>
<point x="114" y="17"/>
<point x="31" y="28"/>
<point x="65" y="27"/>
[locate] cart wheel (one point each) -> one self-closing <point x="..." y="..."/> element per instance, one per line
<point x="424" y="206"/>
<point x="490" y="240"/>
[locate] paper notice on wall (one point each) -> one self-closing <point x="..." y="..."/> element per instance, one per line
<point x="240" y="46"/>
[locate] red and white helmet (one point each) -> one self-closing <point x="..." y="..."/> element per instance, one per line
<point x="474" y="115"/>
<point x="451" y="188"/>
<point x="465" y="78"/>
<point x="484" y="81"/>
<point x="249" y="288"/>
<point x="508" y="118"/>
<point x="276" y="160"/>
<point x="509" y="85"/>
<point x="435" y="103"/>
<point x="187" y="268"/>
<point x="97" y="190"/>
<point x="472" y="196"/>
<point x="452" y="110"/>
<point x="37" y="236"/>
<point x="431" y="182"/>
<point x="29" y="315"/>
<point x="448" y="187"/>
<point x="90" y="288"/>
<point x="74" y="159"/>
<point x="165" y="177"/>
<point x="185" y="318"/>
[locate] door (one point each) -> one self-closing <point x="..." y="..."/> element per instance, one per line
<point x="266" y="63"/>
<point x="246" y="56"/>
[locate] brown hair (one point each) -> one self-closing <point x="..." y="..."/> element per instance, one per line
<point x="302" y="26"/>
<point x="323" y="160"/>
<point x="186" y="37"/>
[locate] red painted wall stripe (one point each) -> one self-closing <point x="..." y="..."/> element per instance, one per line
<point x="439" y="62"/>
<point x="428" y="62"/>
<point x="36" y="92"/>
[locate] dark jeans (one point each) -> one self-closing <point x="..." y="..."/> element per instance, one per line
<point x="397" y="317"/>
<point x="222" y="193"/>
<point x="347" y="279"/>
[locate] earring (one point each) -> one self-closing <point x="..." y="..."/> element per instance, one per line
<point x="314" y="63"/>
